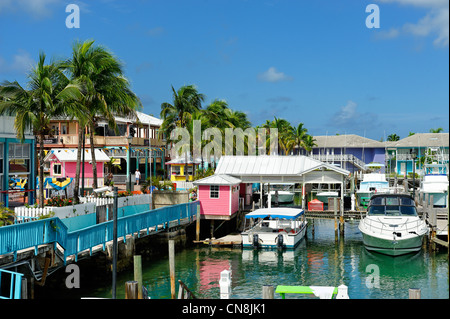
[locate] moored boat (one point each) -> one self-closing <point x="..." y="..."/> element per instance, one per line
<point x="372" y="183"/>
<point x="274" y="227"/>
<point x="435" y="182"/>
<point x="392" y="226"/>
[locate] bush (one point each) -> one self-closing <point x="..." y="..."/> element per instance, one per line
<point x="60" y="202"/>
<point x="6" y="216"/>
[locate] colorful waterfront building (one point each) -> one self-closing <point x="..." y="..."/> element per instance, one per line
<point x="63" y="163"/>
<point x="418" y="149"/>
<point x="17" y="162"/>
<point x="351" y="152"/>
<point x="136" y="144"/>
<point x="177" y="169"/>
<point x="218" y="196"/>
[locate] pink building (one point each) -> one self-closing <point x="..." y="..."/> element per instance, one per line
<point x="63" y="163"/>
<point x="218" y="196"/>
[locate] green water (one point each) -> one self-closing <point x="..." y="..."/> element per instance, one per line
<point x="319" y="260"/>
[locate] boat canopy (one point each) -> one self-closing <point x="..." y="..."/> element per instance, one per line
<point x="279" y="212"/>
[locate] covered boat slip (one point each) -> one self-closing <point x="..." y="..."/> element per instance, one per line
<point x="269" y="169"/>
<point x="274" y="227"/>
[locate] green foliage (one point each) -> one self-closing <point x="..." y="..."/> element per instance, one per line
<point x="60" y="202"/>
<point x="6" y="216"/>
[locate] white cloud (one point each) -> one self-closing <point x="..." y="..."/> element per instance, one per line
<point x="348" y="116"/>
<point x="272" y="75"/>
<point x="36" y="8"/>
<point x="21" y="63"/>
<point x="434" y="23"/>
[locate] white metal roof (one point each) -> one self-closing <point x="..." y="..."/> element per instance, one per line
<point x="277" y="212"/>
<point x="70" y="155"/>
<point x="272" y="167"/>
<point x="218" y="180"/>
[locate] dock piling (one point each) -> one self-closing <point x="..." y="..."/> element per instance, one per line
<point x="172" y="267"/>
<point x="268" y="292"/>
<point x="131" y="290"/>
<point x="414" y="293"/>
<point x="138" y="273"/>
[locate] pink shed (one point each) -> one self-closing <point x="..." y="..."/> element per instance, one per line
<point x="218" y="195"/>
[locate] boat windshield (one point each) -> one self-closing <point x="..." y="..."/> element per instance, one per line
<point x="392" y="206"/>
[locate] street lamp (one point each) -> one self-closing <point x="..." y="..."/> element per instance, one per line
<point x="129" y="139"/>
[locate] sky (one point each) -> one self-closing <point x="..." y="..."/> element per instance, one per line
<point x="339" y="67"/>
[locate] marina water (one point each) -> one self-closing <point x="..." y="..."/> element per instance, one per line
<point x="319" y="260"/>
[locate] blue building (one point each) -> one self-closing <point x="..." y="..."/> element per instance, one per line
<point x="350" y="152"/>
<point x="419" y="148"/>
<point x="17" y="164"/>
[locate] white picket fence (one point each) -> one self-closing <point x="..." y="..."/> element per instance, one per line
<point x="23" y="213"/>
<point x="88" y="205"/>
<point x="121" y="201"/>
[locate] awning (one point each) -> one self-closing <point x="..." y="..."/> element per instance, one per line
<point x="277" y="212"/>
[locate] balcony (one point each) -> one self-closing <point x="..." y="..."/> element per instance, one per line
<point x="71" y="140"/>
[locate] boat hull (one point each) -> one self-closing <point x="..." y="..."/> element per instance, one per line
<point x="392" y="247"/>
<point x="270" y="239"/>
<point x="439" y="198"/>
<point x="283" y="198"/>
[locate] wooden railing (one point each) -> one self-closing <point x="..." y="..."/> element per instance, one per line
<point x="184" y="292"/>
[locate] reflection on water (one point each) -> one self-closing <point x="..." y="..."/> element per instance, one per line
<point x="319" y="260"/>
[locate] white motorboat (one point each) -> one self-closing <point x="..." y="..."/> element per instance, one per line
<point x="391" y="225"/>
<point x="435" y="182"/>
<point x="282" y="193"/>
<point x="325" y="195"/>
<point x="274" y="228"/>
<point x="372" y="183"/>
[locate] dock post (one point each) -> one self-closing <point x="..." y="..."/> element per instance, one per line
<point x="131" y="290"/>
<point x="225" y="284"/>
<point x="197" y="224"/>
<point x="341" y="219"/>
<point x="172" y="267"/>
<point x="335" y="218"/>
<point x="138" y="273"/>
<point x="114" y="270"/>
<point x="268" y="292"/>
<point x="414" y="293"/>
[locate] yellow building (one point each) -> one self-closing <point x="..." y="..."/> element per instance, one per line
<point x="176" y="169"/>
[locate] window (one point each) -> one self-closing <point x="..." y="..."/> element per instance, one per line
<point x="175" y="170"/>
<point x="57" y="169"/>
<point x="214" y="191"/>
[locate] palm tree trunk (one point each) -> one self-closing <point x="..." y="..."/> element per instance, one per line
<point x="94" y="162"/>
<point x="78" y="167"/>
<point x="41" y="170"/>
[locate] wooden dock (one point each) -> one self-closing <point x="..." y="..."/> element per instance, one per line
<point x="228" y="240"/>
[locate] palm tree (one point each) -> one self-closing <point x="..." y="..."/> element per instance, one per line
<point x="299" y="134"/>
<point x="393" y="137"/>
<point x="186" y="101"/>
<point x="106" y="91"/>
<point x="436" y="130"/>
<point x="284" y="132"/>
<point x="50" y="92"/>
<point x="309" y="143"/>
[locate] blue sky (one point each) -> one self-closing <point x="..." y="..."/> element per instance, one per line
<point x="314" y="62"/>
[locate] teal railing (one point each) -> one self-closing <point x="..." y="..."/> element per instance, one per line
<point x="52" y="230"/>
<point x="15" y="287"/>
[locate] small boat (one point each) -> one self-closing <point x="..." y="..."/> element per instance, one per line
<point x="372" y="183"/>
<point x="391" y="225"/>
<point x="323" y="196"/>
<point x="282" y="193"/>
<point x="279" y="227"/>
<point x="435" y="182"/>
